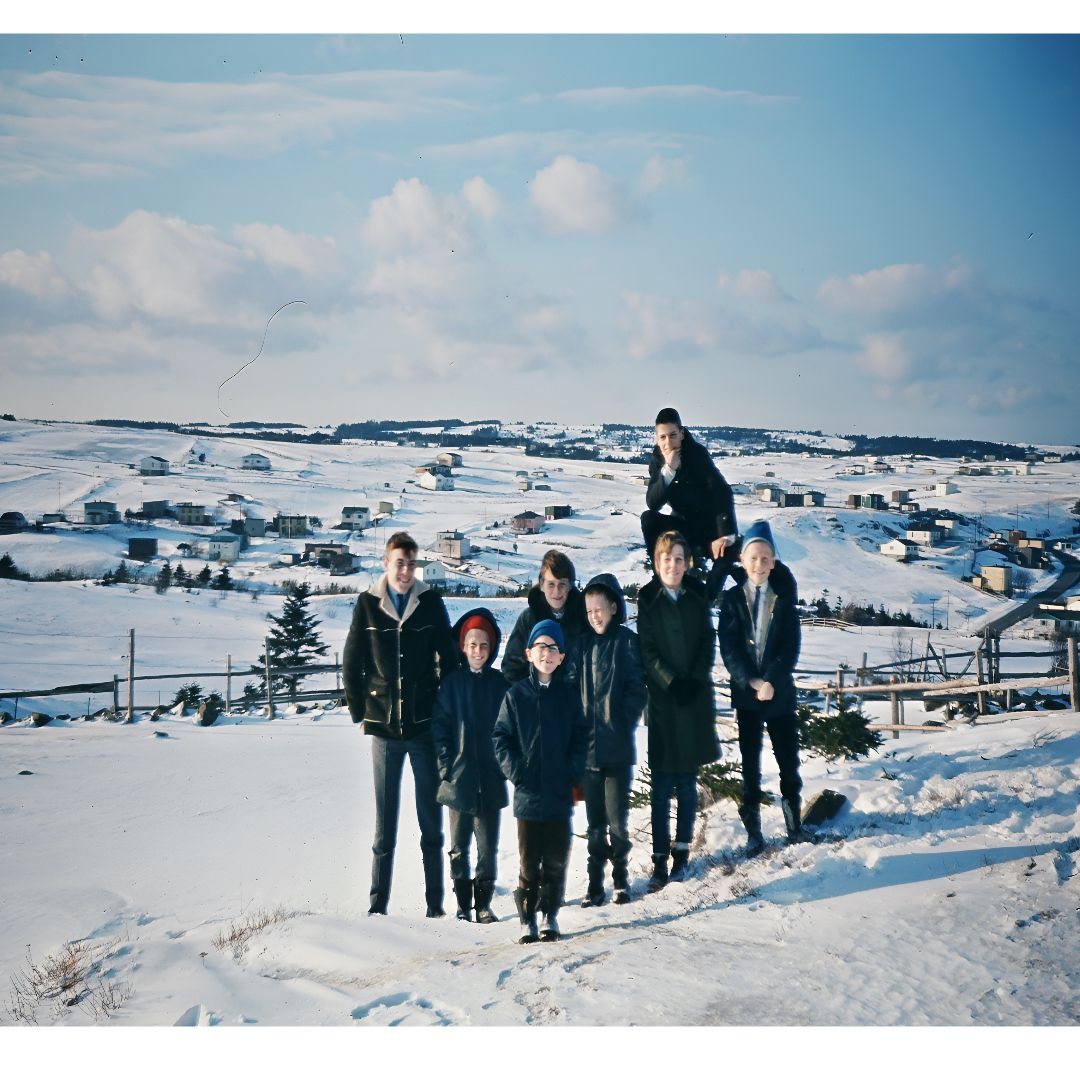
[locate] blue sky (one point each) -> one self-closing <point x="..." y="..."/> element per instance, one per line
<point x="851" y="233"/>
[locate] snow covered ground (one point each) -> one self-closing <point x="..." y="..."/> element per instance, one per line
<point x="948" y="897"/>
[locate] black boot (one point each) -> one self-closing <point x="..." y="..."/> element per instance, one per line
<point x="595" y="895"/>
<point x="485" y="890"/>
<point x="659" y="875"/>
<point x="550" y="902"/>
<point x="463" y="890"/>
<point x="796" y="834"/>
<point x="525" y="901"/>
<point x="680" y="864"/>
<point x="751" y="818"/>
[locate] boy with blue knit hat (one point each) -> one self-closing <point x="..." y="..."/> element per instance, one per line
<point x="759" y="641"/>
<point x="540" y="743"/>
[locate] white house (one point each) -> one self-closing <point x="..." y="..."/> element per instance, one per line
<point x="923" y="537"/>
<point x="431" y="571"/>
<point x="945" y="487"/>
<point x="524" y="483"/>
<point x="434" y="482"/>
<point x="257" y="461"/>
<point x="901" y="550"/>
<point x="152" y="465"/>
<point x="100" y="513"/>
<point x="223" y="547"/>
<point x="356" y="517"/>
<point x="449" y="458"/>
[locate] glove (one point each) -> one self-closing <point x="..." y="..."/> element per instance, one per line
<point x="684" y="689"/>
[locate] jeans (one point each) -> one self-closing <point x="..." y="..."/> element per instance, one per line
<point x="684" y="787"/>
<point x="607" y="808"/>
<point x="784" y="736"/>
<point x="388" y="761"/>
<point x="486" y="828"/>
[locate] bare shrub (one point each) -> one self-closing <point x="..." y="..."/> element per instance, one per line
<point x="239" y="934"/>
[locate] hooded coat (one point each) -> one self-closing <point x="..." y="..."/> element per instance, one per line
<point x="699" y="493"/>
<point x="540" y="742"/>
<point x="466" y="709"/>
<point x="515" y="666"/>
<point x="389" y="666"/>
<point x="677" y="641"/>
<point x="612" y="684"/>
<point x="782" y="643"/>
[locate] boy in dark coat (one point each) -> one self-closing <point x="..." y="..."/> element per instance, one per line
<point x="398" y="643"/>
<point x="612" y="685"/>
<point x="540" y="742"/>
<point x="677" y="650"/>
<point x="682" y="475"/>
<point x="473" y="786"/>
<point x="759" y="641"/>
<point x="556" y="598"/>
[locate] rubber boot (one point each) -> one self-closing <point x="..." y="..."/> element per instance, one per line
<point x="525" y="901"/>
<point x="484" y="891"/>
<point x="550" y="902"/>
<point x="595" y="895"/>
<point x="680" y="864"/>
<point x="463" y="890"/>
<point x="796" y="834"/>
<point x="751" y="818"/>
<point x="659" y="875"/>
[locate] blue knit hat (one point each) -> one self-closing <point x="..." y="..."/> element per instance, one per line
<point x="758" y="531"/>
<point x="548" y="628"/>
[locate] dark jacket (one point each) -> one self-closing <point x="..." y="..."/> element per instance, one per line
<point x="699" y="492"/>
<point x="677" y="642"/>
<point x="466" y="709"/>
<point x="782" y="643"/>
<point x="515" y="665"/>
<point x="389" y="666"/>
<point x="540" y="742"/>
<point x="612" y="684"/>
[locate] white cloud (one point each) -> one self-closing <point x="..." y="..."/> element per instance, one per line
<point x="888" y="289"/>
<point x="33" y="274"/>
<point x="752" y="285"/>
<point x="481" y="198"/>
<point x="413" y="218"/>
<point x="540" y="145"/>
<point x="280" y="249"/>
<point x="637" y="95"/>
<point x="660" y="171"/>
<point x="577" y="197"/>
<point x="884" y="357"/>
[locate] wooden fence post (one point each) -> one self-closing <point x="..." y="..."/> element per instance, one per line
<point x="116" y="695"/>
<point x="228" y="682"/>
<point x="980" y="696"/>
<point x="894" y="703"/>
<point x="131" y="676"/>
<point x="1072" y="648"/>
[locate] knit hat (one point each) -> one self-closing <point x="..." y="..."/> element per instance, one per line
<point x="548" y="628"/>
<point x="758" y="532"/>
<point x="476" y="622"/>
<point x="668" y="416"/>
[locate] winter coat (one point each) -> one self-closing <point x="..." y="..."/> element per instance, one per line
<point x="677" y="641"/>
<point x="698" y="493"/>
<point x="515" y="665"/>
<point x="466" y="709"/>
<point x="782" y="643"/>
<point x="612" y="684"/>
<point x="389" y="665"/>
<point x="540" y="742"/>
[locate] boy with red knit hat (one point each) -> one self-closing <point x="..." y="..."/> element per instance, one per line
<point x="472" y="784"/>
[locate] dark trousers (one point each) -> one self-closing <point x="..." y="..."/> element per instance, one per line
<point x="684" y="787"/>
<point x="784" y="736"/>
<point x="607" y="808"/>
<point x="486" y="829"/>
<point x="653" y="524"/>
<point x="543" y="852"/>
<point x="388" y="761"/>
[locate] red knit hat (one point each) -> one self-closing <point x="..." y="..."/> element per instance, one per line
<point x="476" y="622"/>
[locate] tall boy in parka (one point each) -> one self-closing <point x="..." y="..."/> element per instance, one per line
<point x="759" y="641"/>
<point x="398" y="642"/>
<point x="473" y="786"/>
<point x="612" y="684"/>
<point x="555" y="597"/>
<point x="540" y="742"/>
<point x="677" y="649"/>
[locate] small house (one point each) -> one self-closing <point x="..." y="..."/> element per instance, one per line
<point x="386" y="507"/>
<point x="449" y="458"/>
<point x="900" y="550"/>
<point x="431" y="571"/>
<point x="528" y="522"/>
<point x="453" y="545"/>
<point x="945" y="487"/>
<point x="769" y="493"/>
<point x="154" y="508"/>
<point x="433" y="467"/>
<point x="248" y="526"/>
<point x="143" y="548"/>
<point x="223" y="547"/>
<point x="899" y="497"/>
<point x="803" y="498"/>
<point x="603" y="476"/>
<point x="12" y="522"/>
<point x="431" y="481"/>
<point x="289" y="525"/>
<point x="554" y="513"/>
<point x="356" y="517"/>
<point x="100" y="513"/>
<point x="192" y="514"/>
<point x="256" y="461"/>
<point x="923" y="537"/>
<point x="524" y="483"/>
<point x="870" y="501"/>
<point x="152" y="465"/>
<point x="995" y="579"/>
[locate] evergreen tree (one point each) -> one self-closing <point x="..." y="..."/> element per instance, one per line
<point x="164" y="579"/>
<point x="190" y="694"/>
<point x="223" y="581"/>
<point x="181" y="578"/>
<point x="8" y="569"/>
<point x="293" y="639"/>
<point x="844" y="734"/>
<point x="121" y="575"/>
<point x="204" y="576"/>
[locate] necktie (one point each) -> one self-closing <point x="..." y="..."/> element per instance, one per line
<point x="757" y="610"/>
